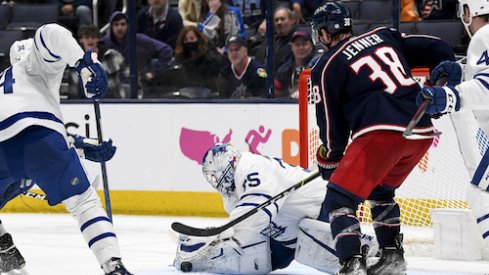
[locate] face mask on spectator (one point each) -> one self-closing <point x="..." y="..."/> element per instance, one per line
<point x="191" y="46"/>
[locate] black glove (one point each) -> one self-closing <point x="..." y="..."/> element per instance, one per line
<point x="326" y="166"/>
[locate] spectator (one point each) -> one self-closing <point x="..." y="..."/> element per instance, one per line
<point x="409" y="12"/>
<point x="304" y="55"/>
<point x="160" y="21"/>
<point x="113" y="62"/>
<point x="199" y="65"/>
<point x="218" y="22"/>
<point x="81" y="9"/>
<point x="304" y="9"/>
<point x="284" y="28"/>
<point x="213" y="17"/>
<point x="437" y="9"/>
<point x="244" y="77"/>
<point x="153" y="56"/>
<point x="252" y="11"/>
<point x="190" y="11"/>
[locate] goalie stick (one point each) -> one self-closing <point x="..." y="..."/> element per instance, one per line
<point x="205" y="232"/>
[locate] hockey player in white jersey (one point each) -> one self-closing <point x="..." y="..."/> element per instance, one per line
<point x="466" y="97"/>
<point x="33" y="140"/>
<point x="269" y="239"/>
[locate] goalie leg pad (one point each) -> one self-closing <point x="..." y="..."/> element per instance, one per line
<point x="479" y="204"/>
<point x="96" y="228"/>
<point x="316" y="246"/>
<point x="223" y="256"/>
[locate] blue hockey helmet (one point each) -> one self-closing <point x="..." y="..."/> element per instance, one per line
<point x="218" y="166"/>
<point x="332" y="16"/>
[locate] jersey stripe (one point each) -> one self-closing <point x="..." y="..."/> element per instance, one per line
<point x="92" y="221"/>
<point x="40" y="115"/>
<point x="57" y="57"/>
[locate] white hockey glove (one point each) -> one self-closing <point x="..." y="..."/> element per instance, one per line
<point x="92" y="76"/>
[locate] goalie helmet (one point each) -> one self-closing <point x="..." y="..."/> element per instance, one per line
<point x="332" y="16"/>
<point x="218" y="166"/>
<point x="475" y="7"/>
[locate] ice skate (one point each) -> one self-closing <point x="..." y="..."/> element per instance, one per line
<point x="10" y="257"/>
<point x="391" y="260"/>
<point x="114" y="266"/>
<point x="353" y="266"/>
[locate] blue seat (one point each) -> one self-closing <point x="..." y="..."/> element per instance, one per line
<point x="32" y="16"/>
<point x="451" y="31"/>
<point x="7" y="38"/>
<point x="4" y="16"/>
<point x="354" y="6"/>
<point x="375" y="10"/>
<point x="407" y="27"/>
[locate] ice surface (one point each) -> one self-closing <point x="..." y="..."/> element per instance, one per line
<point x="52" y="245"/>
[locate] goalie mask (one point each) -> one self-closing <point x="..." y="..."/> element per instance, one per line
<point x="218" y="166"/>
<point x="474" y="8"/>
<point x="332" y="16"/>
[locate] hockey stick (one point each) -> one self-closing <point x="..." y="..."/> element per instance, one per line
<point x="205" y="232"/>
<point x="408" y="133"/>
<point x="105" y="180"/>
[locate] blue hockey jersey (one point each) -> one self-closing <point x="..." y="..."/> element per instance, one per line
<point x="364" y="84"/>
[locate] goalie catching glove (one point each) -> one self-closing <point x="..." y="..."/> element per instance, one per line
<point x="92" y="76"/>
<point x="326" y="165"/>
<point x="93" y="150"/>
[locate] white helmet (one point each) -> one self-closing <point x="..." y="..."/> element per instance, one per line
<point x="20" y="49"/>
<point x="218" y="166"/>
<point x="476" y="8"/>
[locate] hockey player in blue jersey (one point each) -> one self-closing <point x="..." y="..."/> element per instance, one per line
<point x="465" y="97"/>
<point x="365" y="92"/>
<point x="33" y="139"/>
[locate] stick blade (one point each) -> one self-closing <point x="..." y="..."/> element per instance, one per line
<point x="193" y="231"/>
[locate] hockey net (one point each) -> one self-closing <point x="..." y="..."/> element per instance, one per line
<point x="438" y="181"/>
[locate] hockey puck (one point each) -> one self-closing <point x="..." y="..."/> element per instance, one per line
<point x="186" y="266"/>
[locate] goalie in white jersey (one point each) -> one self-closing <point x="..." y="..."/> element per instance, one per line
<point x="270" y="239"/>
<point x="466" y="97"/>
<point x="33" y="140"/>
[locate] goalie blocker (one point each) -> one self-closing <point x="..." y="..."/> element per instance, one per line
<point x="224" y="255"/>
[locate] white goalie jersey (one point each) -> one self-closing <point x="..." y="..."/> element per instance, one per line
<point x="258" y="178"/>
<point x="29" y="95"/>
